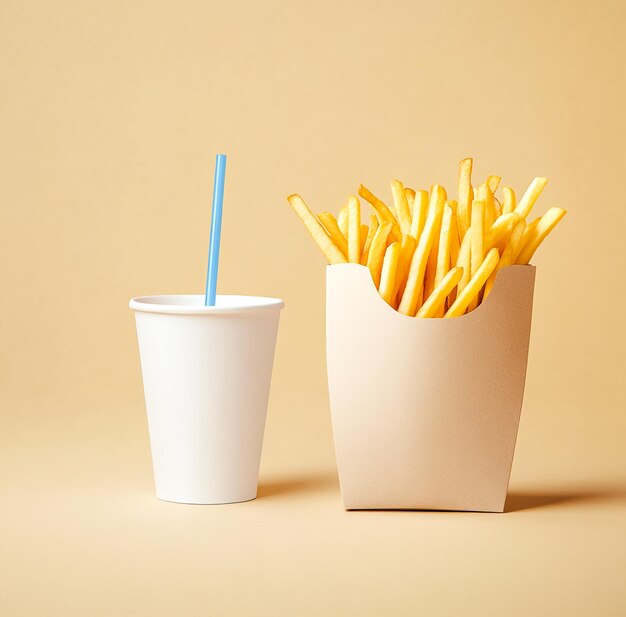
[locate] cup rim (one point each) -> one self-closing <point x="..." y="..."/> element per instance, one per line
<point x="193" y="304"/>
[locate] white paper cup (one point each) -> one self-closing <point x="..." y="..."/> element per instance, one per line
<point x="206" y="376"/>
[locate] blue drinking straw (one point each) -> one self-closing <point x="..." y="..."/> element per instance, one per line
<point x="216" y="229"/>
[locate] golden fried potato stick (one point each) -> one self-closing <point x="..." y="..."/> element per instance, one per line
<point x="384" y="213"/>
<point x="484" y="194"/>
<point x="354" y="230"/>
<point x="508" y="204"/>
<point x="498" y="234"/>
<point x="420" y="211"/>
<point x="478" y="235"/>
<point x="431" y="269"/>
<point x="448" y="226"/>
<point x="368" y="240"/>
<point x="477" y="244"/>
<point x="401" y="206"/>
<point x="388" y="275"/>
<point x="330" y="224"/>
<point x="455" y="241"/>
<point x="430" y="276"/>
<point x="466" y="195"/>
<point x="406" y="254"/>
<point x="410" y="197"/>
<point x="472" y="289"/>
<point x="376" y="253"/>
<point x="526" y="203"/>
<point x="493" y="182"/>
<point x="443" y="252"/>
<point x="528" y="232"/>
<point x="508" y="256"/>
<point x="322" y="239"/>
<point x="342" y="220"/>
<point x="434" y="305"/>
<point x="364" y="232"/>
<point x="420" y="296"/>
<point x="415" y="279"/>
<point x="497" y="207"/>
<point x="514" y="245"/>
<point x="464" y="261"/>
<point x="545" y="225"/>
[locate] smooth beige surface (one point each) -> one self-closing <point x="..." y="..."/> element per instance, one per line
<point x="430" y="420"/>
<point x="111" y="113"/>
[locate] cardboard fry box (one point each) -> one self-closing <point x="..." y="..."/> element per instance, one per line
<point x="425" y="411"/>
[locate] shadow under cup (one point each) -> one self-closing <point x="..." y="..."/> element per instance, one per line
<point x="206" y="376"/>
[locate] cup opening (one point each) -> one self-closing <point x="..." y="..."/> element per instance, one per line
<point x="194" y="304"/>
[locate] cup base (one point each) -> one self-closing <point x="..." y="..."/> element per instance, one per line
<point x="190" y="501"/>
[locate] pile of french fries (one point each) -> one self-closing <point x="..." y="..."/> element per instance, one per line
<point x="431" y="256"/>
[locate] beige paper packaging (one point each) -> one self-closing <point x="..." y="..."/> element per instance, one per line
<point x="425" y="411"/>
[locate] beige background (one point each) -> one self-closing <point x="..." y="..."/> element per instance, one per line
<point x="110" y="115"/>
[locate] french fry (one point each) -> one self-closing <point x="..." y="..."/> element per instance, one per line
<point x="455" y="242"/>
<point x="514" y="245"/>
<point x="472" y="289"/>
<point x="406" y="254"/>
<point x="439" y="259"/>
<point x="529" y="198"/>
<point x="455" y="245"/>
<point x="529" y="231"/>
<point x="432" y="265"/>
<point x="464" y="260"/>
<point x="364" y="232"/>
<point x="478" y="235"/>
<point x="331" y="251"/>
<point x="384" y="213"/>
<point x="343" y="220"/>
<point x="415" y="279"/>
<point x="354" y="230"/>
<point x="410" y="197"/>
<point x="477" y="245"/>
<point x="388" y="276"/>
<point x="369" y="238"/>
<point x="377" y="251"/>
<point x="420" y="211"/>
<point x="497" y="207"/>
<point x="498" y="234"/>
<point x="508" y="204"/>
<point x="443" y="254"/>
<point x="493" y="182"/>
<point x="431" y="268"/>
<point x="508" y="256"/>
<point x="401" y="206"/>
<point x="466" y="195"/>
<point x="330" y="224"/>
<point x="484" y="194"/>
<point x="434" y="305"/>
<point x="545" y="225"/>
